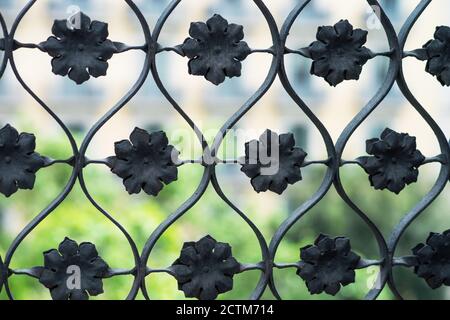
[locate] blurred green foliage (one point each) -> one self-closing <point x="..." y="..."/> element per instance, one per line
<point x="78" y="219"/>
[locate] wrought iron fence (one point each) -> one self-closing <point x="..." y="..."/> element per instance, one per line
<point x="147" y="162"/>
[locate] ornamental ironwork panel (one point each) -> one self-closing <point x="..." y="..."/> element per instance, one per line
<point x="147" y="161"/>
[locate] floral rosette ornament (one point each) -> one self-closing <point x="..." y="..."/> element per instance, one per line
<point x="73" y="272"/>
<point x="273" y="162"/>
<point x="18" y="161"/>
<point x="79" y="51"/>
<point x="328" y="264"/>
<point x="433" y="259"/>
<point x="394" y="162"/>
<point x="438" y="55"/>
<point x="205" y="269"/>
<point x="145" y="162"/>
<point x="339" y="53"/>
<point x="215" y="49"/>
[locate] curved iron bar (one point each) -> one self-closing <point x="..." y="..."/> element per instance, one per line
<point x="156" y="33"/>
<point x="72" y="180"/>
<point x="7" y="48"/>
<point x="395" y="61"/>
<point x="277" y="50"/>
<point x="444" y="173"/>
<point x="267" y="262"/>
<point x="328" y="141"/>
<point x="159" y="231"/>
<point x="208" y="155"/>
<point x="189" y="203"/>
<point x="92" y="132"/>
<point x="270" y="78"/>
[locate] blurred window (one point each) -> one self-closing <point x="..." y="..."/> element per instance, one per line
<point x="231" y="88"/>
<point x="77" y="128"/>
<point x="302" y="77"/>
<point x="154" y="127"/>
<point x="312" y="10"/>
<point x="300" y="132"/>
<point x="71" y="89"/>
<point x="6" y="4"/>
<point x="228" y="9"/>
<point x="391" y="7"/>
<point x="376" y="130"/>
<point x="152" y="6"/>
<point x="62" y="5"/>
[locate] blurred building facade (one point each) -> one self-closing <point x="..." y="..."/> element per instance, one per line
<point x="80" y="106"/>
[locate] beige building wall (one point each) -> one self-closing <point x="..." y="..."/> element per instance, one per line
<point x="210" y="106"/>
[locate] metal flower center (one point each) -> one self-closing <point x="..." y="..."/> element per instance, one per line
<point x="147" y="161"/>
<point x="8" y="160"/>
<point x="217" y="50"/>
<point x="206" y="270"/>
<point x="341" y="51"/>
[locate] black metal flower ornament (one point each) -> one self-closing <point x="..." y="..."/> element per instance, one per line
<point x="395" y="161"/>
<point x="73" y="273"/>
<point x="273" y="162"/>
<point x="328" y="264"/>
<point x="438" y="54"/>
<point x="79" y="51"/>
<point x="145" y="162"/>
<point x="433" y="259"/>
<point x="339" y="53"/>
<point x="215" y="49"/>
<point x="205" y="269"/>
<point x="18" y="161"/>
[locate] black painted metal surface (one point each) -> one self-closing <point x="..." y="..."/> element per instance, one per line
<point x="147" y="162"/>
